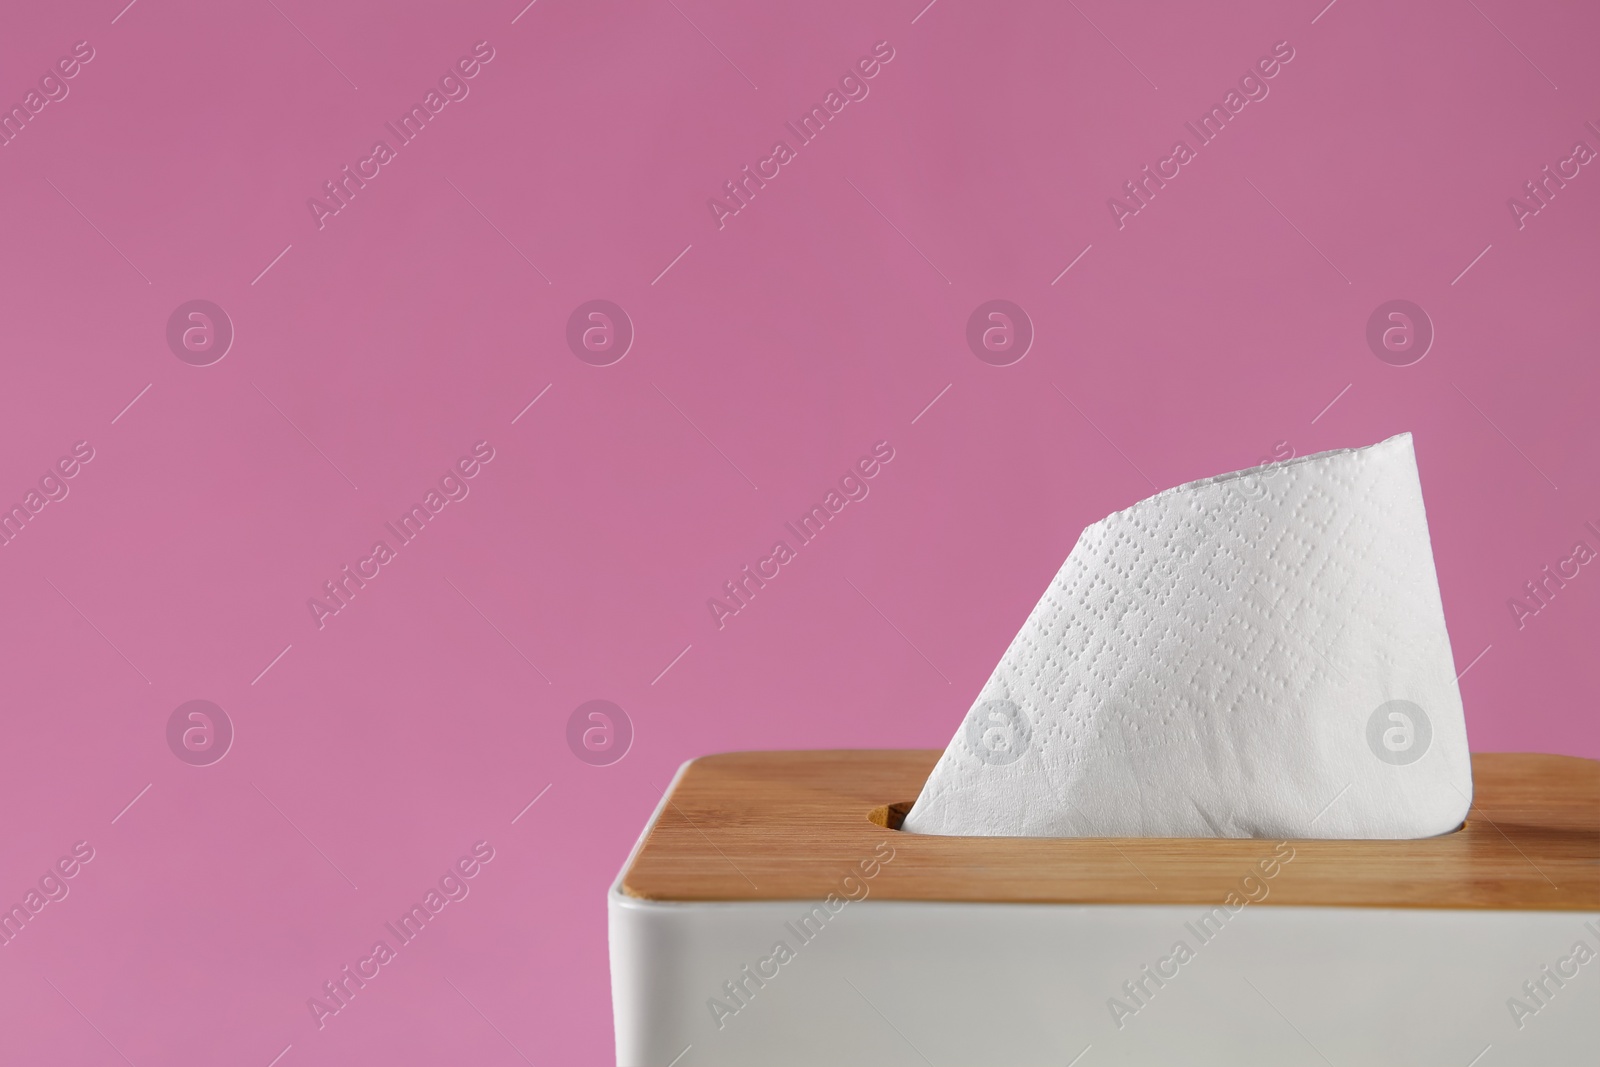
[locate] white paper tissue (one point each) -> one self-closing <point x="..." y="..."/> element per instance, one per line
<point x="1259" y="654"/>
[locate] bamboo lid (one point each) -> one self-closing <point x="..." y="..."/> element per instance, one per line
<point x="792" y="825"/>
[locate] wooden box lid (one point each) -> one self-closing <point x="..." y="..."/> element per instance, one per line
<point x="747" y="826"/>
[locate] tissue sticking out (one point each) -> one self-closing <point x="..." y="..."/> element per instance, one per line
<point x="1259" y="654"/>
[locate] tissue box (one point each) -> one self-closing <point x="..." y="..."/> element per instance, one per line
<point x="773" y="913"/>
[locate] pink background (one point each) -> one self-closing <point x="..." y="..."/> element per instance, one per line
<point x="824" y="317"/>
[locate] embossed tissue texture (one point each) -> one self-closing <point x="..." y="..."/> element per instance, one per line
<point x="1259" y="654"/>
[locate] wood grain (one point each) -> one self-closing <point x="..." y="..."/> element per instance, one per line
<point x="792" y="825"/>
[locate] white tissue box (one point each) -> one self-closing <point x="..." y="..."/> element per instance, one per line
<point x="772" y="913"/>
